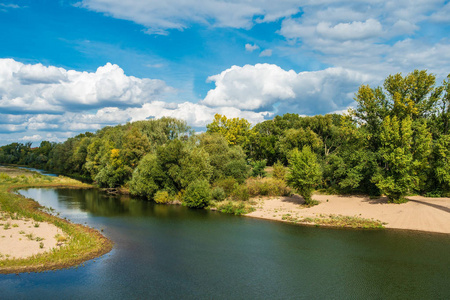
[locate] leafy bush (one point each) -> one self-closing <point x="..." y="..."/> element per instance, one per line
<point x="241" y="193"/>
<point x="236" y="208"/>
<point x="197" y="194"/>
<point x="279" y="171"/>
<point x="227" y="184"/>
<point x="258" y="168"/>
<point x="218" y="194"/>
<point x="267" y="187"/>
<point x="162" y="197"/>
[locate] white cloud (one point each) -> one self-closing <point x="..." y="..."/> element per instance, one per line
<point x="266" y="53"/>
<point x="251" y="48"/>
<point x="36" y="88"/>
<point x="442" y="15"/>
<point x="261" y="86"/>
<point x="8" y="128"/>
<point x="159" y="16"/>
<point x="33" y="138"/>
<point x="35" y="74"/>
<point x="5" y="6"/>
<point x="350" y="31"/>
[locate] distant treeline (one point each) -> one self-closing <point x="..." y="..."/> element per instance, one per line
<point x="395" y="142"/>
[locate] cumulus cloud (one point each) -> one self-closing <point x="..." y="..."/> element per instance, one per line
<point x="37" y="88"/>
<point x="159" y="16"/>
<point x="251" y="48"/>
<point x="259" y="87"/>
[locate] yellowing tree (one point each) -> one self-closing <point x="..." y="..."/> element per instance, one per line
<point x="236" y="130"/>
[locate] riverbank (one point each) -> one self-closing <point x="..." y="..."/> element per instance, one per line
<point x="32" y="239"/>
<point x="419" y="213"/>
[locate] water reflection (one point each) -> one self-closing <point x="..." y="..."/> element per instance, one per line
<point x="173" y="252"/>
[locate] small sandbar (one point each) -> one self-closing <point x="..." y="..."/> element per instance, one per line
<point x="419" y="213"/>
<point x="23" y="238"/>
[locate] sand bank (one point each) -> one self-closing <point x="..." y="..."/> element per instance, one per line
<point x="24" y="238"/>
<point x="419" y="213"/>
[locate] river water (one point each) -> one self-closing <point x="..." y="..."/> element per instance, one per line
<point x="171" y="252"/>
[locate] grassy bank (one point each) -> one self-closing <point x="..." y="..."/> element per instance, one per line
<point x="82" y="243"/>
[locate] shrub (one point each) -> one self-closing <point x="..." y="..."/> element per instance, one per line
<point x="279" y="171"/>
<point x="236" y="208"/>
<point x="241" y="193"/>
<point x="197" y="194"/>
<point x="258" y="168"/>
<point x="218" y="194"/>
<point x="227" y="184"/>
<point x="267" y="187"/>
<point x="162" y="197"/>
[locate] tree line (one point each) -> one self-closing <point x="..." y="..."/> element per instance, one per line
<point x="395" y="142"/>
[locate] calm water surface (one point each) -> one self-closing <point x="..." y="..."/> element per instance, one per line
<point x="172" y="252"/>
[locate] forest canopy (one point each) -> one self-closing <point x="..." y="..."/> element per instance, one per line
<point x="396" y="141"/>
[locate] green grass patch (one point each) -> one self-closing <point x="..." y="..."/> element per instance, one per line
<point x="233" y="207"/>
<point x="337" y="221"/>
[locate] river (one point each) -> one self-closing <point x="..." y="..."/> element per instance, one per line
<point x="171" y="252"/>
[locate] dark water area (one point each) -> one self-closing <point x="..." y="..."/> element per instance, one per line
<point x="171" y="252"/>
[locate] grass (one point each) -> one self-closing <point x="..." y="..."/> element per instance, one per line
<point x="232" y="207"/>
<point x="336" y="221"/>
<point x="82" y="243"/>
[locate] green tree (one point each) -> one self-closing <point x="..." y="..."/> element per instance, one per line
<point x="404" y="151"/>
<point x="148" y="177"/>
<point x="304" y="172"/>
<point x="441" y="166"/>
<point x="197" y="194"/>
<point x="236" y="131"/>
<point x="258" y="168"/>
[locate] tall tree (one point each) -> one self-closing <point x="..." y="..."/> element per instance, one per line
<point x="304" y="172"/>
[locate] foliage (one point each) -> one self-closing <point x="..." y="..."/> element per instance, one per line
<point x="162" y="197"/>
<point x="258" y="168"/>
<point x="197" y="194"/>
<point x="227" y="184"/>
<point x="236" y="131"/>
<point x="241" y="193"/>
<point x="234" y="207"/>
<point x="218" y="194"/>
<point x="267" y="187"/>
<point x="279" y="171"/>
<point x="304" y="172"/>
<point x="226" y="161"/>
<point x="147" y="178"/>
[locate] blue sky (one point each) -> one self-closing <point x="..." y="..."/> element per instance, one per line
<point x="73" y="66"/>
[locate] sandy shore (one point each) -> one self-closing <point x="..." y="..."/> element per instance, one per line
<point x="24" y="238"/>
<point x="420" y="213"/>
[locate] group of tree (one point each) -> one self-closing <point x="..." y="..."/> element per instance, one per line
<point x="395" y="142"/>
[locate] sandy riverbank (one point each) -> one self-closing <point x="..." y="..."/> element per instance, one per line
<point x="420" y="213"/>
<point x="24" y="238"/>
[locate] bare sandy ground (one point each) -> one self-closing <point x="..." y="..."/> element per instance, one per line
<point x="22" y="238"/>
<point x="419" y="213"/>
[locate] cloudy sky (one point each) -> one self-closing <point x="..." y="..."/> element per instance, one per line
<point x="73" y="66"/>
